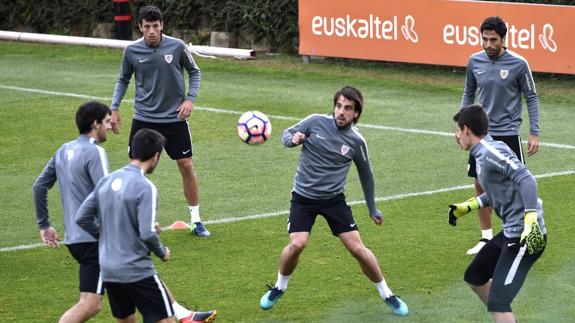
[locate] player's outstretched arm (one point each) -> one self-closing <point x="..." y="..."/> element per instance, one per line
<point x="460" y="209"/>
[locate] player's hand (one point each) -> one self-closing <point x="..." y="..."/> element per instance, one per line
<point x="158" y="228"/>
<point x="377" y="217"/>
<point x="298" y="138"/>
<point x="168" y="254"/>
<point x="458" y="210"/>
<point x="532" y="145"/>
<point x="185" y="109"/>
<point x="532" y="235"/>
<point x="115" y="121"/>
<point x="50" y="237"/>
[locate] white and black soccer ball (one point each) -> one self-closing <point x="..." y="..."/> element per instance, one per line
<point x="254" y="128"/>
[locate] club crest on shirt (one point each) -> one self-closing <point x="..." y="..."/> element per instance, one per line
<point x="168" y="58"/>
<point x="503" y="73"/>
<point x="117" y="184"/>
<point x="344" y="149"/>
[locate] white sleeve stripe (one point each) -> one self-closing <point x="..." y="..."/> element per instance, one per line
<point x="154" y="201"/>
<point x="514" y="54"/>
<point x="479" y="202"/>
<point x="189" y="55"/>
<point x="103" y="160"/>
<point x="498" y="154"/>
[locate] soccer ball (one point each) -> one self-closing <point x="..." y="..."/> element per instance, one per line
<point x="254" y="128"/>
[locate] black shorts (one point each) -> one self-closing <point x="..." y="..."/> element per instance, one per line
<point x="178" y="137"/>
<point x="87" y="256"/>
<point x="507" y="263"/>
<point x="335" y="210"/>
<point x="148" y="295"/>
<point x="514" y="142"/>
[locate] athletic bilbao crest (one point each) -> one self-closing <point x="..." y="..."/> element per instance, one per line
<point x="503" y="74"/>
<point x="168" y="58"/>
<point x="344" y="149"/>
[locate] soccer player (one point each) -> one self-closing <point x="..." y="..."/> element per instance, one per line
<point x="329" y="145"/>
<point x="158" y="62"/>
<point x="498" y="271"/>
<point x="499" y="77"/>
<point x="77" y="166"/>
<point x="121" y="213"/>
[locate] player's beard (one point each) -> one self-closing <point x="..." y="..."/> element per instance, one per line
<point x="342" y="119"/>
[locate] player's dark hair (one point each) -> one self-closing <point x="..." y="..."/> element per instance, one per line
<point x="496" y="24"/>
<point x="89" y="112"/>
<point x="474" y="117"/>
<point x="149" y="13"/>
<point x="353" y="94"/>
<point x="146" y="143"/>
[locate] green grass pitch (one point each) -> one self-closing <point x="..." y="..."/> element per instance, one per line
<point x="422" y="257"/>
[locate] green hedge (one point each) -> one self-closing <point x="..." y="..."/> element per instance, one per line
<point x="274" y="20"/>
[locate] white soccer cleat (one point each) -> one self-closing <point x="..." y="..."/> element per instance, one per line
<point x="478" y="246"/>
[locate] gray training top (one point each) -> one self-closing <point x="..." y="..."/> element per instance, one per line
<point x="326" y="157"/>
<point x="509" y="186"/>
<point x="77" y="166"/>
<point x="121" y="211"/>
<point x="160" y="85"/>
<point x="499" y="84"/>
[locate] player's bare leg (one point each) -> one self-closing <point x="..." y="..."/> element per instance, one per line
<point x="367" y="261"/>
<point x="288" y="262"/>
<point x="370" y="267"/>
<point x="482" y="291"/>
<point x="87" y="307"/>
<point x="192" y="194"/>
<point x="503" y="317"/>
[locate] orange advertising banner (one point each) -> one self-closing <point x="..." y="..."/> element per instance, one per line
<point x="442" y="32"/>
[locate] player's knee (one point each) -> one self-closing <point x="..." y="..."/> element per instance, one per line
<point x="297" y="246"/>
<point x="359" y="251"/>
<point x="92" y="305"/>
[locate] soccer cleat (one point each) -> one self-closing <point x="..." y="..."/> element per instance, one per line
<point x="198" y="317"/>
<point x="478" y="246"/>
<point x="200" y="231"/>
<point x="397" y="305"/>
<point x="271" y="297"/>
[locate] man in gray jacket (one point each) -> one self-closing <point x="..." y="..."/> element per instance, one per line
<point x="329" y="145"/>
<point x="77" y="166"/>
<point x="121" y="214"/>
<point x="161" y="103"/>
<point x="500" y="77"/>
<point x="499" y="270"/>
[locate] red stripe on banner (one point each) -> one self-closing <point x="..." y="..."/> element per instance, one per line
<point x="120" y="1"/>
<point x="123" y="18"/>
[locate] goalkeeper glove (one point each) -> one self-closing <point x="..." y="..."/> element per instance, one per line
<point x="458" y="210"/>
<point x="532" y="235"/>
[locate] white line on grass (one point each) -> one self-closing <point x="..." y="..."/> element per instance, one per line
<point x="356" y="202"/>
<point x="227" y="111"/>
